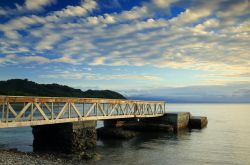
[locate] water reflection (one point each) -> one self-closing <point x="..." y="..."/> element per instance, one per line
<point x="160" y="138"/>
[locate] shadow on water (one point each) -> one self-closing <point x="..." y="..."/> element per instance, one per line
<point x="159" y="138"/>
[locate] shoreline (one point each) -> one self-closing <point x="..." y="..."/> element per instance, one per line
<point x="13" y="156"/>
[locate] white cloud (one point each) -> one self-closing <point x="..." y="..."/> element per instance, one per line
<point x="69" y="74"/>
<point x="28" y="6"/>
<point x="163" y="3"/>
<point x="14" y="59"/>
<point x="99" y="61"/>
<point x="190" y="16"/>
<point x="8" y="58"/>
<point x="70" y="11"/>
<point x="37" y="4"/>
<point x="38" y="59"/>
<point x="134" y="13"/>
<point x="48" y="41"/>
<point x="69" y="60"/>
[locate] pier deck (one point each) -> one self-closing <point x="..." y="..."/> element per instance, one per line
<point x="30" y="111"/>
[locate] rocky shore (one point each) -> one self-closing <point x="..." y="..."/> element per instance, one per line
<point x="12" y="156"/>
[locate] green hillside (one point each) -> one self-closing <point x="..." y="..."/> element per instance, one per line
<point x="24" y="87"/>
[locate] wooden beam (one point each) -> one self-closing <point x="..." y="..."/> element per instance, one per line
<point x="76" y="110"/>
<point x="62" y="111"/>
<point x="112" y="110"/>
<point x="121" y="109"/>
<point x="33" y="111"/>
<point x="131" y="108"/>
<point x="49" y="109"/>
<point x="12" y="110"/>
<point x="101" y="109"/>
<point x="41" y="111"/>
<point x="90" y="109"/>
<point x="19" y="115"/>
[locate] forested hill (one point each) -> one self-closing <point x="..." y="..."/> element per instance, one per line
<point x="20" y="87"/>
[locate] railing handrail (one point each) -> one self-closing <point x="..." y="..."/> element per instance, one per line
<point x="20" y="99"/>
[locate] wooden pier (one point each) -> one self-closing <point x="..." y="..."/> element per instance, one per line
<point x="31" y="111"/>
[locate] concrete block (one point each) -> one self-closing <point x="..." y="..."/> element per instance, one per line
<point x="179" y="120"/>
<point x="198" y="122"/>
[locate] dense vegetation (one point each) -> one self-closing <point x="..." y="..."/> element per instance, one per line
<point x="19" y="87"/>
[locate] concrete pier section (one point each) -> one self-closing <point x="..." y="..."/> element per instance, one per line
<point x="198" y="122"/>
<point x="179" y="120"/>
<point x="169" y="122"/>
<point x="182" y="120"/>
<point x="67" y="137"/>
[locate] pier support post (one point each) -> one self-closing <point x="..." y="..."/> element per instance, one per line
<point x="67" y="137"/>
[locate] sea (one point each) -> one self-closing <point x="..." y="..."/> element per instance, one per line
<point x="225" y="140"/>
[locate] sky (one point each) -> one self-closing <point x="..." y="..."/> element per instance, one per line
<point x="188" y="50"/>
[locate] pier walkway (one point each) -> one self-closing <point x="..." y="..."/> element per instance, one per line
<point x="18" y="111"/>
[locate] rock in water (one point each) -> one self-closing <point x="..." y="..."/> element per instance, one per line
<point x="145" y="126"/>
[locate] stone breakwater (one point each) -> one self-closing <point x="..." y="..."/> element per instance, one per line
<point x="169" y="123"/>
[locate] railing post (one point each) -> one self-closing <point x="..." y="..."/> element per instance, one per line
<point x="95" y="110"/>
<point x="3" y="111"/>
<point x="135" y="109"/>
<point x="52" y="111"/>
<point x="32" y="111"/>
<point x="83" y="112"/>
<point x="164" y="107"/>
<point x="69" y="109"/>
<point x="7" y="113"/>
<point x="103" y="107"/>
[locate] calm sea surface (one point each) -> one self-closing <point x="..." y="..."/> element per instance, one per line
<point x="226" y="140"/>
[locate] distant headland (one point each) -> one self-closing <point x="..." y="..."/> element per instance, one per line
<point x="25" y="87"/>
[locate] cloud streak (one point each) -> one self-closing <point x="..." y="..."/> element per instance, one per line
<point x="99" y="77"/>
<point x="28" y="6"/>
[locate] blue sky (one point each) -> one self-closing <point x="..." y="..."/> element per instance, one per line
<point x="153" y="47"/>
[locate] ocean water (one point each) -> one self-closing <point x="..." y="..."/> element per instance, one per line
<point x="226" y="140"/>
